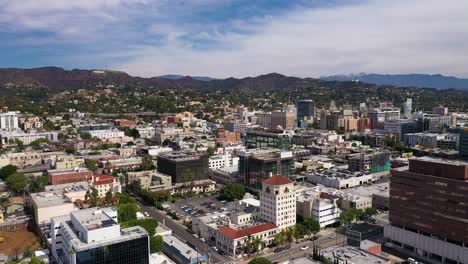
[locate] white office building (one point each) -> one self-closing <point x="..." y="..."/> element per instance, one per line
<point x="9" y="121"/>
<point x="95" y="234"/>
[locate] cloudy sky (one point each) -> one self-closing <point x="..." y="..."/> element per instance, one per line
<point x="223" y="38"/>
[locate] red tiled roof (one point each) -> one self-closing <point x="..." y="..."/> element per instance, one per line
<point x="233" y="234"/>
<point x="103" y="179"/>
<point x="277" y="180"/>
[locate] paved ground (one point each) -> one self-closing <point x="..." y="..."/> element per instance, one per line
<point x="180" y="231"/>
<point x="296" y="252"/>
<point x="196" y="204"/>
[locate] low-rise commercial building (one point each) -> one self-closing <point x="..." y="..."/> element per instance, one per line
<point x="339" y="178"/>
<point x="183" y="166"/>
<point x="60" y="176"/>
<point x="57" y="200"/>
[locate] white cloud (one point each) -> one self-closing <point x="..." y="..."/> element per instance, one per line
<point x="147" y="37"/>
<point x="377" y="36"/>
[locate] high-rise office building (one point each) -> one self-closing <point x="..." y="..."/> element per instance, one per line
<point x="9" y="121"/>
<point x="278" y="201"/>
<point x="464" y="142"/>
<point x="408" y="107"/>
<point x="257" y="138"/>
<point x="94" y="236"/>
<point x="305" y="109"/>
<point x="440" y="110"/>
<point x="255" y="165"/>
<point x="428" y="209"/>
<point x="284" y="119"/>
<point x="236" y="126"/>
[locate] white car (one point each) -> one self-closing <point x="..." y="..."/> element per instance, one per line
<point x="332" y="236"/>
<point x="202" y="239"/>
<point x="195" y="235"/>
<point x="304" y="248"/>
<point x="215" y="249"/>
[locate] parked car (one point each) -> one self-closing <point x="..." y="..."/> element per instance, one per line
<point x="304" y="248"/>
<point x="195" y="235"/>
<point x="215" y="249"/>
<point x="202" y="239"/>
<point x="332" y="236"/>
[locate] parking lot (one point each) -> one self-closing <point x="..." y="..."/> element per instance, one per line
<point x="195" y="207"/>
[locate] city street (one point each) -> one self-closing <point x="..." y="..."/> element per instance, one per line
<point x="296" y="252"/>
<point x="180" y="231"/>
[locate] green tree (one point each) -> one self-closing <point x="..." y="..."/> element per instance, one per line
<point x="166" y="142"/>
<point x="370" y="211"/>
<point x="17" y="182"/>
<point x="38" y="184"/>
<point x="127" y="212"/>
<point x="90" y="164"/>
<point x="70" y="149"/>
<point x="156" y="244"/>
<point x="108" y="198"/>
<point x="20" y="144"/>
<point x="260" y="260"/>
<point x="7" y="171"/>
<point x="233" y="191"/>
<point x="148" y="224"/>
<point x="85" y="135"/>
<point x="125" y="198"/>
<point x="147" y="163"/>
<point x="312" y="225"/>
<point x="35" y="260"/>
<point x="132" y="132"/>
<point x="211" y="151"/>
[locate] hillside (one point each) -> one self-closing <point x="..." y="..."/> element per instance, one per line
<point x="405" y="80"/>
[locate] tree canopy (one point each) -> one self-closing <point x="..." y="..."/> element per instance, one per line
<point x="233" y="191"/>
<point x="260" y="260"/>
<point x="127" y="212"/>
<point x="7" y="171"/>
<point x="156" y="244"/>
<point x="17" y="182"/>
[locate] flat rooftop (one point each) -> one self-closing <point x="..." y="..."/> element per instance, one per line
<point x="353" y="255"/>
<point x="180" y="155"/>
<point x="49" y="199"/>
<point x="92" y="221"/>
<point x="369" y="190"/>
<point x="80" y="245"/>
<point x="442" y="161"/>
<point x="338" y="173"/>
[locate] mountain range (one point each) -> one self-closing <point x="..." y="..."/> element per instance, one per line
<point x="54" y="79"/>
<point x="437" y="81"/>
<point x="177" y="77"/>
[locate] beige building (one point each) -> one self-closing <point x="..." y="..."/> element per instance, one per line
<point x="149" y="180"/>
<point x="68" y="162"/>
<point x="277" y="211"/>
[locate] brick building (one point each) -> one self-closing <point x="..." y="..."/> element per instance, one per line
<point x="61" y="176"/>
<point x="428" y="209"/>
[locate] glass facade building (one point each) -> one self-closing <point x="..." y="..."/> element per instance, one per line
<point x="133" y="251"/>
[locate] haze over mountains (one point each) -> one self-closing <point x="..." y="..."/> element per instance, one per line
<point x="437" y="81"/>
<point x="57" y="79"/>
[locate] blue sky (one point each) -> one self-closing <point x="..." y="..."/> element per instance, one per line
<point x="223" y="38"/>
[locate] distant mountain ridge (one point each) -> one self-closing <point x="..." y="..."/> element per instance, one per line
<point x="177" y="77"/>
<point x="55" y="79"/>
<point x="437" y="81"/>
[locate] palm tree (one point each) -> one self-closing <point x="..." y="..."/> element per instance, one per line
<point x="289" y="235"/>
<point x="256" y="244"/>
